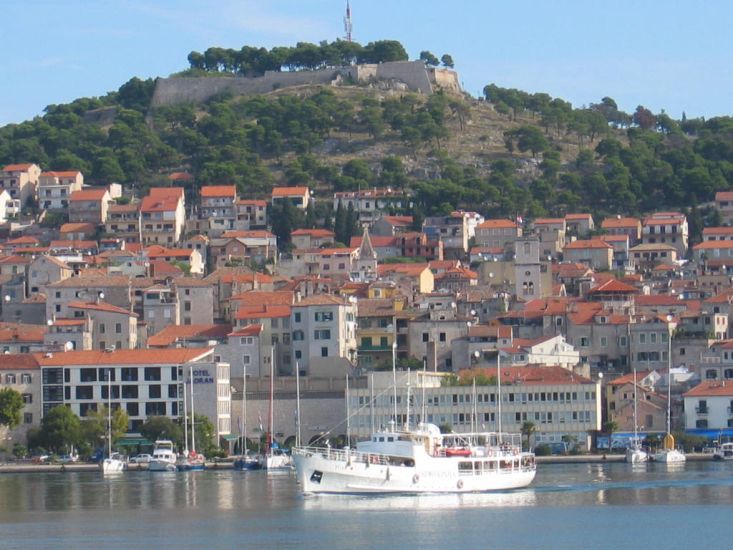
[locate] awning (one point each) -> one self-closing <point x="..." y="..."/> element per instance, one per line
<point x="711" y="434"/>
<point x="133" y="442"/>
<point x="230" y="437"/>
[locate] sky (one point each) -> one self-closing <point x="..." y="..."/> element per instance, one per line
<point x="664" y="54"/>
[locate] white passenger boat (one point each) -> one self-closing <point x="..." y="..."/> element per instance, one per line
<point x="417" y="461"/>
<point x="723" y="451"/>
<point x="164" y="457"/>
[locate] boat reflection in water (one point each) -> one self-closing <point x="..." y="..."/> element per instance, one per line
<point x="434" y="501"/>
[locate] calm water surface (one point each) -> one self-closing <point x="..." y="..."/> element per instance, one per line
<point x="568" y="506"/>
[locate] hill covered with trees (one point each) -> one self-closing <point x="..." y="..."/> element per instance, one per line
<point x="507" y="153"/>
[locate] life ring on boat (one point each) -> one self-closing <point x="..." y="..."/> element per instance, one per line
<point x="415" y="478"/>
<point x="460" y="484"/>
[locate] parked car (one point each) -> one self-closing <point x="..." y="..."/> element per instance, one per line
<point x="67" y="459"/>
<point x="141" y="459"/>
<point x="40" y="459"/>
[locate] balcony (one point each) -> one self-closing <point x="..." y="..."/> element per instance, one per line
<point x="701" y="410"/>
<point x="374" y="347"/>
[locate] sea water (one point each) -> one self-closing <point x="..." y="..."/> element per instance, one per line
<point x="568" y="506"/>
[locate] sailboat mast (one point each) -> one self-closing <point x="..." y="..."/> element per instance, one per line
<point x="270" y="419"/>
<point x="348" y="414"/>
<point x="407" y="404"/>
<point x="109" y="412"/>
<point x="498" y="391"/>
<point x="185" y="420"/>
<point x="193" y="429"/>
<point x="297" y="403"/>
<point x="669" y="384"/>
<point x="636" y="429"/>
<point x="244" y="409"/>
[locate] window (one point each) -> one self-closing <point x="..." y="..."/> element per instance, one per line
<point x="10" y="379"/>
<point x="298" y="335"/>
<point x="701" y="423"/>
<point x="155" y="408"/>
<point x="129" y="375"/>
<point x="442" y="336"/>
<point x="88" y="375"/>
<point x="129" y="392"/>
<point x="25" y="378"/>
<point x="324" y="334"/>
<point x="297" y="317"/>
<point x="85" y="392"/>
<point x="324" y="352"/>
<point x="27" y="398"/>
<point x="118" y="328"/>
<point x="604" y="342"/>
<point x="102" y="328"/>
<point x="133" y="409"/>
<point x="323" y="316"/>
<point x="152" y="374"/>
<point x="27" y="418"/>
<point x="425" y="336"/>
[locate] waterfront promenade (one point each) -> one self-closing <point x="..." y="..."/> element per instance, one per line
<point x="27" y="467"/>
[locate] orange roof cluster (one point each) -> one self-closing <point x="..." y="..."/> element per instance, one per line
<point x="250" y="330"/>
<point x="18" y="361"/>
<point x="399" y="221"/>
<point x="613" y="286"/>
<point x="18" y="332"/>
<point x="321" y="300"/>
<point x="156" y="252"/>
<point x="74" y="227"/>
<point x="264" y="297"/>
<point x="411" y="270"/>
<point x="578" y="217"/>
<point x="63" y="174"/>
<point x="252" y="202"/>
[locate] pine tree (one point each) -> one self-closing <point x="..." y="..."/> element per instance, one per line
<point x="339" y="226"/>
<point x="352" y="224"/>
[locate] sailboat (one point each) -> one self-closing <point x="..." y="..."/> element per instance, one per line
<point x="634" y="452"/>
<point x="246" y="461"/>
<point x="668" y="453"/>
<point x="275" y="459"/>
<point x="191" y="460"/>
<point x="113" y="463"/>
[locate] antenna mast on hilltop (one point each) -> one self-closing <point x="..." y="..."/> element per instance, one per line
<point x="347" y="22"/>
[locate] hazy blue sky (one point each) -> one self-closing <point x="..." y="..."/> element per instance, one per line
<point x="664" y="54"/>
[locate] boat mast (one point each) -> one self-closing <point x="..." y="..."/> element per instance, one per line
<point x="185" y="420"/>
<point x="371" y="398"/>
<point x="109" y="413"/>
<point x="473" y="408"/>
<point x="669" y="379"/>
<point x="394" y="382"/>
<point x="424" y="373"/>
<point x="407" y="405"/>
<point x="498" y="391"/>
<point x="270" y="420"/>
<point x="297" y="403"/>
<point x="636" y="429"/>
<point x="193" y="432"/>
<point x="244" y="410"/>
<point x="348" y="414"/>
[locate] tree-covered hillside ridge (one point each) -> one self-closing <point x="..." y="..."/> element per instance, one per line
<point x="509" y="152"/>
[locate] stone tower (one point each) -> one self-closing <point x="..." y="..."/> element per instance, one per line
<point x="527" y="268"/>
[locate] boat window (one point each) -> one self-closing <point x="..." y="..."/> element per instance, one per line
<point x="465" y="466"/>
<point x="390" y="438"/>
<point x="381" y="439"/>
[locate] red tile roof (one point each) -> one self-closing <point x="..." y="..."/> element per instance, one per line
<point x="585" y="244"/>
<point x="251" y="234"/>
<point x="167" y="356"/>
<point x="613" y="285"/>
<point x="711" y="388"/>
<point x="578" y="217"/>
<point x="16" y="167"/>
<point x="212" y="191"/>
<point x="88" y="195"/>
<point x="19" y="332"/>
<point x="264" y="311"/>
<point x="263" y="297"/>
<point x="411" y="270"/>
<point x="250" y="330"/>
<point x="494" y="224"/>
<point x="18" y="361"/>
<point x="174" y="333"/>
<point x="620" y="223"/>
<point x="289" y="191"/>
<point x="318" y="233"/>
<point x="64" y="174"/>
<point x="101" y="306"/>
<point x="529" y="375"/>
<point x="180" y="176"/>
<point x="400" y="221"/>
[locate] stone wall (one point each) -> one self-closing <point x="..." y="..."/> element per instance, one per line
<point x="414" y="74"/>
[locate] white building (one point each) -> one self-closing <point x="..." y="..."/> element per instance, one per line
<point x="709" y="406"/>
<point x="324" y="334"/>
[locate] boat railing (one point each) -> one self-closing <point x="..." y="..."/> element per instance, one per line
<point x="343" y="455"/>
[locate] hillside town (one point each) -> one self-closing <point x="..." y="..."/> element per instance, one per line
<point x="125" y="295"/>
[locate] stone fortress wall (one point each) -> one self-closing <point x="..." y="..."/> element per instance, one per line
<point x="413" y="74"/>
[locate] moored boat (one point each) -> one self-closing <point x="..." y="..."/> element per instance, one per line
<point x="417" y="461"/>
<point x="164" y="457"/>
<point x="723" y="451"/>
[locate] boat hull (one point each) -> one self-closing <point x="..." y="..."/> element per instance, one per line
<point x="112" y="466"/>
<point x="161" y="466"/>
<point x="670" y="456"/>
<point x="636" y="456"/>
<point x="190" y="467"/>
<point x="317" y="473"/>
<point x="247" y="464"/>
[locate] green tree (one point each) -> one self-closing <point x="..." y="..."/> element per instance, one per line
<point x="205" y="435"/>
<point x="162" y="427"/>
<point x="61" y="429"/>
<point x="527" y="429"/>
<point x="447" y="60"/>
<point x="11" y="407"/>
<point x="429" y="58"/>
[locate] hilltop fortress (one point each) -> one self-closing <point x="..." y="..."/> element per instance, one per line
<point x="400" y="75"/>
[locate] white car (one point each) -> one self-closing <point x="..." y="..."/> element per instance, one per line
<point x="141" y="459"/>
